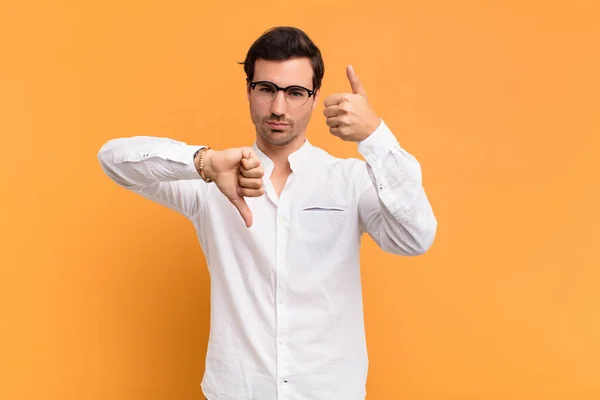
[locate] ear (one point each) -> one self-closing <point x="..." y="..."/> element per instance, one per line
<point x="248" y="91"/>
<point x="316" y="98"/>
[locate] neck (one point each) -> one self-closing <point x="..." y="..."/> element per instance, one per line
<point x="279" y="154"/>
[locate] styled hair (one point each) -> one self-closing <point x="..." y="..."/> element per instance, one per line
<point x="283" y="43"/>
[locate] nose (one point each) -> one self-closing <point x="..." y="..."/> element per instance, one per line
<point x="279" y="104"/>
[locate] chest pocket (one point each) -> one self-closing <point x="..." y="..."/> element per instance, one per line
<point x="321" y="219"/>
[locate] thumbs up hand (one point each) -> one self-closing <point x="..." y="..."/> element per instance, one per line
<point x="349" y="115"/>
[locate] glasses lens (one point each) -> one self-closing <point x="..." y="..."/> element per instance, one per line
<point x="265" y="92"/>
<point x="296" y="96"/>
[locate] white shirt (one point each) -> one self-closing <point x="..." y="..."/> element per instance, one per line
<point x="286" y="318"/>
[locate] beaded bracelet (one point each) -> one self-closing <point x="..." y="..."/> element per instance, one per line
<point x="201" y="165"/>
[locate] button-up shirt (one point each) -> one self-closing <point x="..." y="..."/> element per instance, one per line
<point x="286" y="320"/>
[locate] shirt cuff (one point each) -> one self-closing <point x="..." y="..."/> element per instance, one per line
<point x="379" y="143"/>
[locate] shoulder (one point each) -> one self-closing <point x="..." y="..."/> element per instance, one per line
<point x="351" y="172"/>
<point x="348" y="164"/>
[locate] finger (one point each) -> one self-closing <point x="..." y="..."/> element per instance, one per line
<point x="333" y="111"/>
<point x="250" y="183"/>
<point x="357" y="87"/>
<point x="335" y="99"/>
<point x="251" y="192"/>
<point x="336" y="131"/>
<point x="250" y="163"/>
<point x="244" y="210"/>
<point x="333" y="122"/>
<point x="257" y="172"/>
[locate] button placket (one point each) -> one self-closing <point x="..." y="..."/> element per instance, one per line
<point x="281" y="291"/>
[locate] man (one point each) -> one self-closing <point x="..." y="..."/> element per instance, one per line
<point x="280" y="225"/>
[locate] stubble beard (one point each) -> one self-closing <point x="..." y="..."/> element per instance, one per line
<point x="276" y="137"/>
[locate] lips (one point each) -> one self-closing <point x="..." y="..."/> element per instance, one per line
<point x="277" y="124"/>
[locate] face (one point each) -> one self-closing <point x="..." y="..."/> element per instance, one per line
<point x="277" y="123"/>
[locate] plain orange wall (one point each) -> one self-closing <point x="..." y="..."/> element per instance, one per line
<point x="104" y="295"/>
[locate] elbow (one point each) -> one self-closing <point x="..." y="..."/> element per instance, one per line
<point x="414" y="241"/>
<point x="425" y="237"/>
<point x="424" y="240"/>
<point x="108" y="150"/>
<point x="424" y="233"/>
<point x="106" y="157"/>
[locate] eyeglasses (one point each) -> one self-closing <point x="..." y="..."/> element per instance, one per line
<point x="295" y="95"/>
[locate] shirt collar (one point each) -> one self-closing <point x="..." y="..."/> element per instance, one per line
<point x="297" y="159"/>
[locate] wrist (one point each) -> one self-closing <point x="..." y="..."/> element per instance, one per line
<point x="208" y="169"/>
<point x="373" y="125"/>
<point x="203" y="164"/>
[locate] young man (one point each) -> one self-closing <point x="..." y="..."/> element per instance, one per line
<point x="280" y="225"/>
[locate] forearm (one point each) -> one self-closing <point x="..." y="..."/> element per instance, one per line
<point x="159" y="169"/>
<point x="397" y="213"/>
<point x="142" y="160"/>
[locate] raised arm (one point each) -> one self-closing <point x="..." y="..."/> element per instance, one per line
<point x="393" y="207"/>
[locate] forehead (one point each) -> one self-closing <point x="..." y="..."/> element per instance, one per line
<point x="296" y="71"/>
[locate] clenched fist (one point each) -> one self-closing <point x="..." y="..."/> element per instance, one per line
<point x="349" y="115"/>
<point x="237" y="173"/>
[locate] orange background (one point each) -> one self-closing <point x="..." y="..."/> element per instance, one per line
<point x="104" y="295"/>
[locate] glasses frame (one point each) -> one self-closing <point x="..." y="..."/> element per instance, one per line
<point x="310" y="92"/>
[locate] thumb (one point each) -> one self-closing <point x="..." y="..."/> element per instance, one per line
<point x="357" y="87"/>
<point x="244" y="210"/>
<point x="247" y="153"/>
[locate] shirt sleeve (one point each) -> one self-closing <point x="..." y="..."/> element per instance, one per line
<point x="393" y="207"/>
<point x="159" y="169"/>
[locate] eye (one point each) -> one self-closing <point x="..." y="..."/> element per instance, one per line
<point x="265" y="88"/>
<point x="297" y="93"/>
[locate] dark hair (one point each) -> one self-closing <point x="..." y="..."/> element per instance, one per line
<point x="283" y="43"/>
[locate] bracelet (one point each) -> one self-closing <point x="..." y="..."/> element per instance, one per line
<point x="201" y="152"/>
